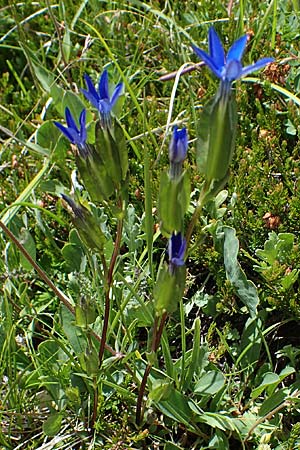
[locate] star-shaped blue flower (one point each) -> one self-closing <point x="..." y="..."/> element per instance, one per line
<point x="73" y="133"/>
<point x="176" y="250"/>
<point x="101" y="99"/>
<point x="228" y="67"/>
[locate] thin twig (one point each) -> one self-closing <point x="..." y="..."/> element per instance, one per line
<point x="271" y="413"/>
<point x="172" y="75"/>
<point x="157" y="332"/>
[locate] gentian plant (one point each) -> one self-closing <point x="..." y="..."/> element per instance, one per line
<point x="103" y="166"/>
<point x="218" y="121"/>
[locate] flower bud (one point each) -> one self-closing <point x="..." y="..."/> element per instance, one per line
<point x="177" y="151"/>
<point x="86" y="224"/>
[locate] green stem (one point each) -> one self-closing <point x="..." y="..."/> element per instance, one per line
<point x="196" y="214"/>
<point x="109" y="283"/>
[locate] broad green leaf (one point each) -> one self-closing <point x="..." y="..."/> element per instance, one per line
<point x="219" y="441"/>
<point x="277" y="248"/>
<point x="52" y="425"/>
<point x="51" y="353"/>
<point x="173" y="202"/>
<point x="169" y="289"/>
<point x="245" y="289"/>
<point x="27" y="241"/>
<point x="76" y="337"/>
<point x="160" y="390"/>
<point x="66" y="44"/>
<point x="216" y="420"/>
<point x="49" y="137"/>
<point x="289" y="279"/>
<point x="269" y="379"/>
<point x="210" y="383"/>
<point x="53" y="187"/>
<point x="177" y="408"/>
<point x="73" y="255"/>
<point x="57" y="93"/>
<point x="45" y="77"/>
<point x="74" y="103"/>
<point x="272" y="402"/>
<point x="249" y="349"/>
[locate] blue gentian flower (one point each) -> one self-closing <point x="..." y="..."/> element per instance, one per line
<point x="73" y="133"/>
<point x="228" y="67"/>
<point x="177" y="151"/>
<point x="176" y="250"/>
<point x="101" y="99"/>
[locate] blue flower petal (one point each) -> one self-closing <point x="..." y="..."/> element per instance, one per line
<point x="237" y="49"/>
<point x="208" y="61"/>
<point x="82" y="120"/>
<point x="103" y="86"/>
<point x="65" y="131"/>
<point x="256" y="66"/>
<point x="116" y="94"/>
<point x="90" y="86"/>
<point x="215" y="46"/>
<point x="70" y="121"/>
<point x="90" y="97"/>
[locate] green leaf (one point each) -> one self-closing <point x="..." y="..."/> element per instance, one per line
<point x="73" y="255"/>
<point x="277" y="248"/>
<point x="53" y="187"/>
<point x="210" y="383"/>
<point x="57" y="93"/>
<point x="219" y="441"/>
<point x="173" y="202"/>
<point x="216" y="137"/>
<point x="73" y="102"/>
<point x="269" y="379"/>
<point x="52" y="425"/>
<point x="45" y="77"/>
<point x="27" y="241"/>
<point x="177" y="408"/>
<point x="66" y="44"/>
<point x="272" y="402"/>
<point x="249" y="349"/>
<point x="76" y="337"/>
<point x="50" y="138"/>
<point x="169" y="289"/>
<point x="161" y="390"/>
<point x="245" y="289"/>
<point x="195" y="362"/>
<point x="51" y="353"/>
<point x="216" y="420"/>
